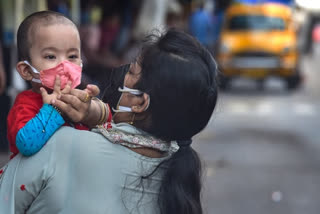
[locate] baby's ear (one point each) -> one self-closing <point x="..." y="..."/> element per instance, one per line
<point x="24" y="71"/>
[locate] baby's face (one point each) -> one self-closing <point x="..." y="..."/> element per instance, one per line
<point x="53" y="44"/>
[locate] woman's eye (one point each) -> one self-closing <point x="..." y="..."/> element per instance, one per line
<point x="49" y="57"/>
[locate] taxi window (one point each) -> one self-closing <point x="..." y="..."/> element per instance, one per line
<point x="256" y="22"/>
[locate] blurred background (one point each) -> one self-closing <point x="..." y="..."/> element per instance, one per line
<point x="261" y="148"/>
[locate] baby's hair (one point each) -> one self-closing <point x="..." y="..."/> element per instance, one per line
<point x="29" y="26"/>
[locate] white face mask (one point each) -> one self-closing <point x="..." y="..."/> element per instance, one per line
<point x="127" y="90"/>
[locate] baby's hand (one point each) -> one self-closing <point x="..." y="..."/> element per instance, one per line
<point x="49" y="98"/>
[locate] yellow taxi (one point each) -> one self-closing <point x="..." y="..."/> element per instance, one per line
<point x="258" y="41"/>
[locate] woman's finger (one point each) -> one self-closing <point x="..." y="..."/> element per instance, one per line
<point x="72" y="105"/>
<point x="82" y="95"/>
<point x="93" y="90"/>
<point x="69" y="111"/>
<point x="75" y="102"/>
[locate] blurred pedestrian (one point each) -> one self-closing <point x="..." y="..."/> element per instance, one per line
<point x="201" y="25"/>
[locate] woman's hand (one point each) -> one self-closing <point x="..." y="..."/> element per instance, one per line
<point x="78" y="106"/>
<point x="75" y="104"/>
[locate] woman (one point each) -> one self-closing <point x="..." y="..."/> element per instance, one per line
<point x="164" y="99"/>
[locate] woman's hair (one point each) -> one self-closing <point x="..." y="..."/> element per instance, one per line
<point x="179" y="74"/>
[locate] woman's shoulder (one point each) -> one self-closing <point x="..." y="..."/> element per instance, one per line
<point x="95" y="154"/>
<point x="91" y="143"/>
<point x="69" y="139"/>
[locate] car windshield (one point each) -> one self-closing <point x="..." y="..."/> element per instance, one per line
<point x="260" y="23"/>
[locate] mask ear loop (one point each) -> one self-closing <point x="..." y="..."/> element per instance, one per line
<point x="130" y="90"/>
<point x="34" y="70"/>
<point x="122" y="109"/>
<point x="126" y="90"/>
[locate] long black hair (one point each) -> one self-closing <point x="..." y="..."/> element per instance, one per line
<point x="180" y="76"/>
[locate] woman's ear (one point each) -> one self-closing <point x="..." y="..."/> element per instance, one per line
<point x="24" y="71"/>
<point x="144" y="104"/>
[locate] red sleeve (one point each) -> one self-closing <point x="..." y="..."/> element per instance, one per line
<point x="109" y="119"/>
<point x="25" y="107"/>
<point x="108" y="125"/>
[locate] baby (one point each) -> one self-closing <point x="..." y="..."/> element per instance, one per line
<point x="48" y="49"/>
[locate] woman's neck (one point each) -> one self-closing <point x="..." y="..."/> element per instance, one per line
<point x="149" y="152"/>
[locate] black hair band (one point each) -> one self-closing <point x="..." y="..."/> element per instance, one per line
<point x="184" y="143"/>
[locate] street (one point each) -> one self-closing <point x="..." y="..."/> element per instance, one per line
<point x="261" y="149"/>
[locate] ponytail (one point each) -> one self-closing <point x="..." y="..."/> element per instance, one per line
<point x="181" y="183"/>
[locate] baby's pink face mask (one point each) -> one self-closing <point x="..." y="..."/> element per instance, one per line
<point x="67" y="71"/>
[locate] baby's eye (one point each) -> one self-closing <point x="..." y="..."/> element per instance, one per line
<point x="49" y="57"/>
<point x="73" y="56"/>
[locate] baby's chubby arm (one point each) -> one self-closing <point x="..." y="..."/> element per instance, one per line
<point x="37" y="131"/>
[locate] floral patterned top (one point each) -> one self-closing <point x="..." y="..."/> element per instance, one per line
<point x="130" y="136"/>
